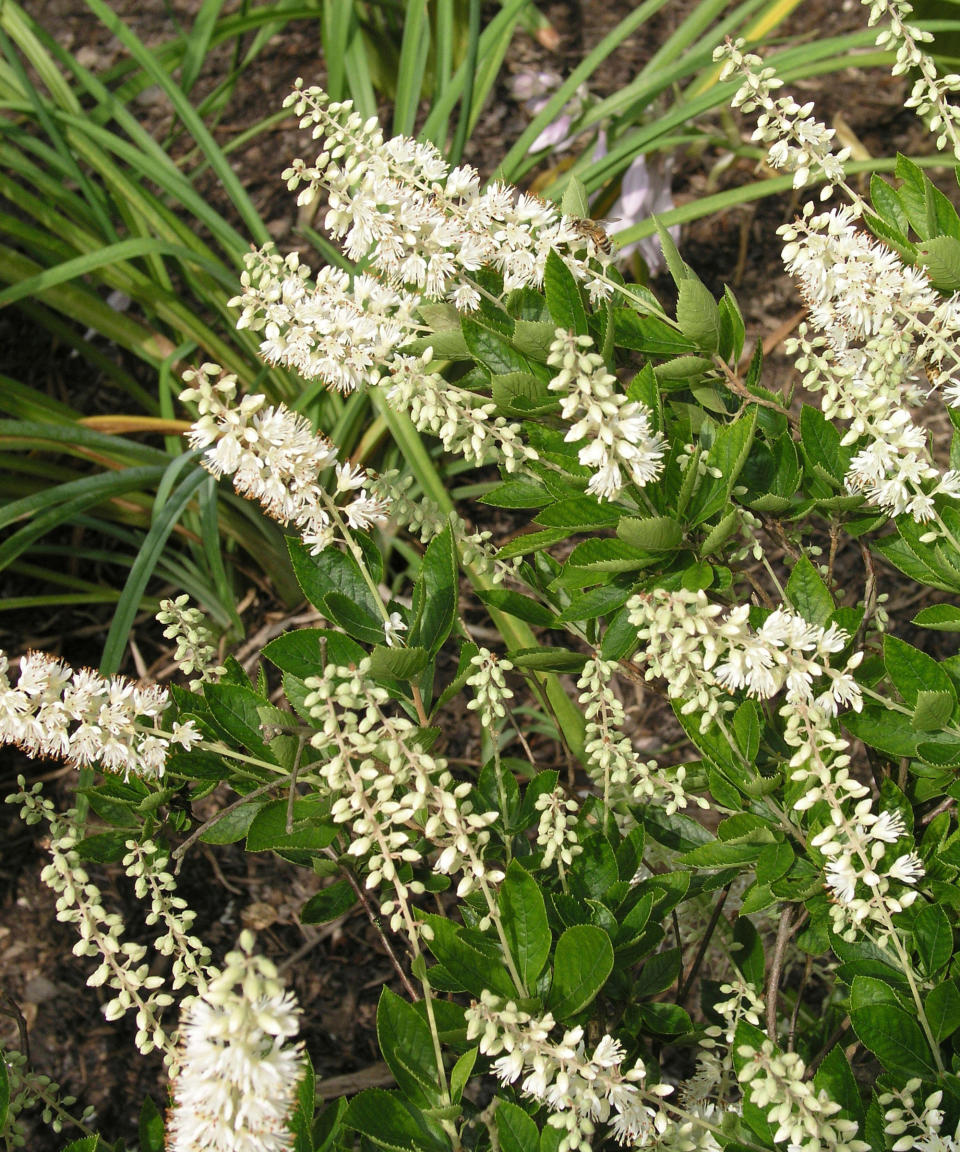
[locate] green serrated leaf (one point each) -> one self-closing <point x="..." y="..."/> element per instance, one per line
<point x="890" y="1032"/>
<point x="397" y="663"/>
<point x="933" y="936"/>
<point x="698" y="315"/>
<point x="808" y="594"/>
<point x="932" y="710"/>
<point x="653" y="534"/>
<point x="940" y="255"/>
<point x="329" y="903"/>
<point x="406" y="1044"/>
<point x="563" y="296"/>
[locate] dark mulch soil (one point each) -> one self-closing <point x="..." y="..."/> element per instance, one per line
<point x="336" y="971"/>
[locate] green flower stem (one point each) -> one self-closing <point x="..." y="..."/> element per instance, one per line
<point x="515" y="633"/>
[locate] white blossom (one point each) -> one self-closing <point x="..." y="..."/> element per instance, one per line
<point x="618" y="434"/>
<point x="82" y="717"/>
<point x="274" y="457"/>
<point x="235" y="1086"/>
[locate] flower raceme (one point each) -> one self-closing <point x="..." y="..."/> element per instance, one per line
<point x="84" y="718"/>
<point x="423" y="225"/>
<point x="275" y="458"/>
<point x="618" y="432"/>
<point x="705" y="653"/>
<point x="235" y="1085"/>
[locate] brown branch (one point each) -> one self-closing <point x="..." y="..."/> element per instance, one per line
<point x="776" y="970"/>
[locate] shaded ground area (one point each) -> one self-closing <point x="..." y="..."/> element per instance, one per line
<point x="337" y="971"/>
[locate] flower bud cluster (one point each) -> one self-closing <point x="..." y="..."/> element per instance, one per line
<point x="235" y="1086"/>
<point x="425" y="517"/>
<point x="613" y="764"/>
<point x="797" y="141"/>
<point x="799" y="1113"/>
<point x="328" y="326"/>
<point x="275" y="458"/>
<point x="463" y="425"/>
<point x="705" y="653"/>
<point x="490" y="691"/>
<point x="913" y="1127"/>
<point x="714" y="1077"/>
<point x="122" y="966"/>
<point x="392" y="793"/>
<point x="146" y="865"/>
<point x="423" y="224"/>
<point x="580" y="1090"/>
<point x="930" y="93"/>
<point x="618" y="432"/>
<point x="29" y="1089"/>
<point x="868" y="879"/>
<point x="557" y="829"/>
<point x="194" y="651"/>
<point x="84" y="718"/>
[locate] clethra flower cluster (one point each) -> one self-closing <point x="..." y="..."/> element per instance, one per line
<point x="194" y="651"/>
<point x="331" y="326"/>
<point x="916" y="1127"/>
<point x="392" y="793"/>
<point x="800" y="1114"/>
<point x="235" y="1086"/>
<point x="84" y="718"/>
<point x="580" y="1091"/>
<point x="614" y="765"/>
<point x="704" y="653"/>
<point x="463" y="423"/>
<point x="618" y="434"/>
<point x="877" y="333"/>
<point x="931" y="93"/>
<point x="797" y="142"/>
<point x="275" y="458"/>
<point x="424" y="225"/>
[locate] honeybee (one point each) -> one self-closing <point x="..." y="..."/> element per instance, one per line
<point x="593" y="231"/>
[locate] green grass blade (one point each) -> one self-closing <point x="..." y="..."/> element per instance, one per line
<point x="578" y="76"/>
<point x="414" y="47"/>
<point x="469" y="100"/>
<point x="165" y="518"/>
<point x="493" y="41"/>
<point x="197" y="43"/>
<point x="60" y="504"/>
<point x="189" y="117"/>
<point x="113" y="254"/>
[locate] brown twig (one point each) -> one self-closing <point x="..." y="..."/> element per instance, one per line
<point x="807" y="968"/>
<point x="365" y="901"/>
<point x="180" y="851"/>
<point x="684" y="990"/>
<point x="12" y="1008"/>
<point x="776" y="970"/>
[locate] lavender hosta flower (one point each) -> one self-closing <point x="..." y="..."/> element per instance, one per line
<point x="533" y="90"/>
<point x="645" y="191"/>
<point x="84" y="718"/>
<point x="235" y="1086"/>
<point x="618" y="432"/>
<point x="275" y="458"/>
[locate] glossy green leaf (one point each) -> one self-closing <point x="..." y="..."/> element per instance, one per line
<point x="329" y="903"/>
<point x="516" y="1130"/>
<point x="890" y="1032"/>
<point x="524" y="917"/>
<point x="582" y="963"/>
<point x="407" y="1046"/>
<point x="933" y="936"/>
